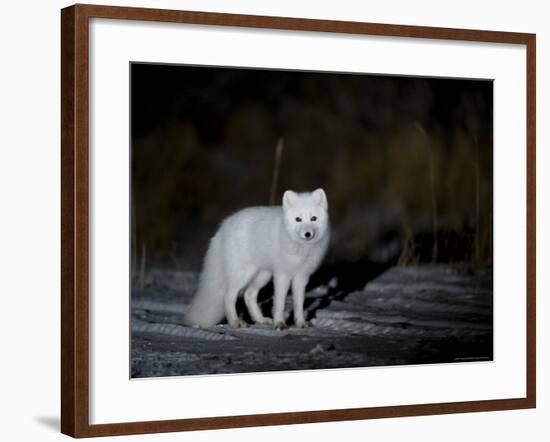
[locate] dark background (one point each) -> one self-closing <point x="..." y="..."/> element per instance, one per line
<point x="406" y="162"/>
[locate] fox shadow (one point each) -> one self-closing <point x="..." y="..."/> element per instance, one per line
<point x="336" y="279"/>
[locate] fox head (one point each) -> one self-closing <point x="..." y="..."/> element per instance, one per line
<point x="306" y="215"/>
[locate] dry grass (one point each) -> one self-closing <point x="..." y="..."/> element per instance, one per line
<point x="370" y="144"/>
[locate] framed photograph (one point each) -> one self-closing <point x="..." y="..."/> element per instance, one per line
<point x="272" y="220"/>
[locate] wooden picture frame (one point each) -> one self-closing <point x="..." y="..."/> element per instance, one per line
<point x="75" y="218"/>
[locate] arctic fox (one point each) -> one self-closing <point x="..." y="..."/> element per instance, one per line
<point x="254" y="245"/>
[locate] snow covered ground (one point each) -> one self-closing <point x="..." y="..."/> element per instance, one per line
<point x="407" y="315"/>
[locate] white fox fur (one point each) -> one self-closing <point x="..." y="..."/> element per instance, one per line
<point x="254" y="245"/>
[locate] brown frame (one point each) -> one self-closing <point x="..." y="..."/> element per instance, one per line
<point x="74" y="220"/>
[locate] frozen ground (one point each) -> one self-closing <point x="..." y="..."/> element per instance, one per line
<point x="406" y="315"/>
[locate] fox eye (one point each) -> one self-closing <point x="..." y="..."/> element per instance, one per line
<point x="313" y="218"/>
<point x="298" y="219"/>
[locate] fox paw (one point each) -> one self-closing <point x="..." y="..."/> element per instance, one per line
<point x="281" y="325"/>
<point x="265" y="320"/>
<point x="303" y="324"/>
<point x="239" y="323"/>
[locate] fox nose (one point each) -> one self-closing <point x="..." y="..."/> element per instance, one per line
<point x="307" y="233"/>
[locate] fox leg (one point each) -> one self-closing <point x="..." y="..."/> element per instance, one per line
<point x="282" y="283"/>
<point x="251" y="296"/>
<point x="298" y="294"/>
<point x="237" y="282"/>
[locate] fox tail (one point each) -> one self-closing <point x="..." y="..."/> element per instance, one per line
<point x="207" y="307"/>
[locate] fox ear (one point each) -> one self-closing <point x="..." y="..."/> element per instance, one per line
<point x="320" y="198"/>
<point x="289" y="198"/>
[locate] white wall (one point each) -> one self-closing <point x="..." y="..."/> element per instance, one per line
<point x="29" y="218"/>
